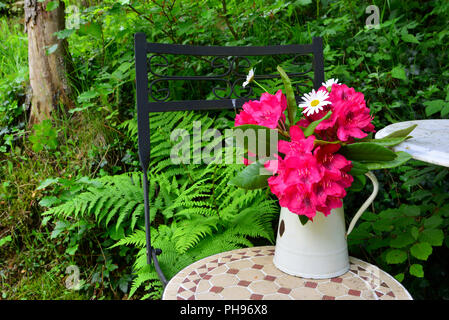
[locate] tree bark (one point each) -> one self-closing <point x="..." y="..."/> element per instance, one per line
<point x="48" y="72"/>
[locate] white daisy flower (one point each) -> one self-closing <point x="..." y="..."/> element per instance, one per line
<point x="328" y="84"/>
<point x="249" y="78"/>
<point x="314" y="102"/>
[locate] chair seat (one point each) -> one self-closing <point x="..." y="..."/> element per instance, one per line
<point x="249" y="274"/>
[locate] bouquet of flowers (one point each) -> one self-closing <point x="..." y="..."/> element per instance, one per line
<point x="325" y="145"/>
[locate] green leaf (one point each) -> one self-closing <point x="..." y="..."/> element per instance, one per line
<point x="401" y="133"/>
<point x="52" y="49"/>
<point x="60" y="226"/>
<point x="358" y="184"/>
<point x="251" y="178"/>
<point x="290" y="94"/>
<point x="72" y="250"/>
<point x="401" y="158"/>
<point x="398" y="72"/>
<point x="416" y="270"/>
<point x="396" y="256"/>
<point x="303" y="2"/>
<point x="433" y="222"/>
<point x="401" y="241"/>
<point x="358" y="168"/>
<point x="387" y="142"/>
<point x="445" y="111"/>
<point x="52" y="5"/>
<point x="407" y="37"/>
<point x="5" y="240"/>
<point x="48" y="201"/>
<point x="44" y="184"/>
<point x="91" y="29"/>
<point x="410" y="211"/>
<point x="368" y="152"/>
<point x="434" y="237"/>
<point x="414" y="231"/>
<point x="311" y="127"/>
<point x="63" y="34"/>
<point x="434" y="106"/>
<point x="303" y="219"/>
<point x="399" y="277"/>
<point x="421" y="250"/>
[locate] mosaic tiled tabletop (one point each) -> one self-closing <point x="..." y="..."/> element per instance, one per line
<point x="249" y="274"/>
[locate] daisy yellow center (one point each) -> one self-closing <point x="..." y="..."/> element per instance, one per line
<point x="314" y="103"/>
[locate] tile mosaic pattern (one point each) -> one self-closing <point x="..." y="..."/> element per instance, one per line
<point x="249" y="274"/>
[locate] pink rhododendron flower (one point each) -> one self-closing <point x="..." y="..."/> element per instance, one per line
<point x="264" y="112"/>
<point x="350" y="117"/>
<point x="309" y="179"/>
<point x="298" y="143"/>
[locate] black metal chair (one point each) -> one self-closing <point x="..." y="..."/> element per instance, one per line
<point x="234" y="99"/>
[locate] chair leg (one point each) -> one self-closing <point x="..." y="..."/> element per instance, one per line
<point x="152" y="253"/>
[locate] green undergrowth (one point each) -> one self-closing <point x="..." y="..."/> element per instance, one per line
<point x="71" y="192"/>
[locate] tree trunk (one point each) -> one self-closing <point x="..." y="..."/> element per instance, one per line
<point x="48" y="71"/>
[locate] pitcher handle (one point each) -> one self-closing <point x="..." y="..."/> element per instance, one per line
<point x="368" y="201"/>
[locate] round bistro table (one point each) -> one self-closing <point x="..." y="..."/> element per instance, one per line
<point x="249" y="274"/>
<point x="429" y="142"/>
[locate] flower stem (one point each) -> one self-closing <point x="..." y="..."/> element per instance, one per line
<point x="260" y="86"/>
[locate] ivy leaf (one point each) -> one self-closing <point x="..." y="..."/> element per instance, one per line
<point x="434" y="237"/>
<point x="396" y="256"/>
<point x="421" y="250"/>
<point x="416" y="270"/>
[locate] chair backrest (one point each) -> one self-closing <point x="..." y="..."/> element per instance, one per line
<point x="227" y="59"/>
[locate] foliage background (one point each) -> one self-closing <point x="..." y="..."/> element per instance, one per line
<point x="69" y="194"/>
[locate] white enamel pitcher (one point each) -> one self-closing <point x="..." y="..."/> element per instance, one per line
<point x="318" y="249"/>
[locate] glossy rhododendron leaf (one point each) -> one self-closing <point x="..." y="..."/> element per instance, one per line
<point x="368" y="152"/>
<point x="401" y="133"/>
<point x="291" y="101"/>
<point x="311" y="127"/>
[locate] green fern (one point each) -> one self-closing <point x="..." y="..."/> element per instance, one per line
<point x="194" y="213"/>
